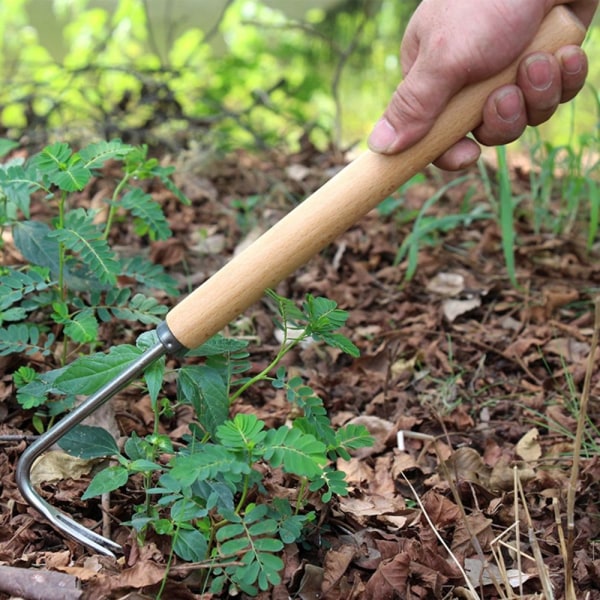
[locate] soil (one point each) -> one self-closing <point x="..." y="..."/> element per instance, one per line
<point x="470" y="385"/>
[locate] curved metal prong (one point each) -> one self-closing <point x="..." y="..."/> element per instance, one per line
<point x="59" y="520"/>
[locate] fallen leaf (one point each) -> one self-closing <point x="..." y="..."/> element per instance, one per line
<point x="528" y="447"/>
<point x="56" y="465"/>
<point x="453" y="309"/>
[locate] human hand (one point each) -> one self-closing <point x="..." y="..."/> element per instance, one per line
<point x="448" y="45"/>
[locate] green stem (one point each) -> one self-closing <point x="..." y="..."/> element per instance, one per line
<point x="62" y="290"/>
<point x="113" y="205"/>
<point x="285" y="348"/>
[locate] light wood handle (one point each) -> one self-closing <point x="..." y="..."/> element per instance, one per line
<point x="341" y="202"/>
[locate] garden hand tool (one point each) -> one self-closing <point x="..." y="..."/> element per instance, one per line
<point x="321" y="218"/>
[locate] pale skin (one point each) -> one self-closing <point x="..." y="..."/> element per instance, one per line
<point x="451" y="43"/>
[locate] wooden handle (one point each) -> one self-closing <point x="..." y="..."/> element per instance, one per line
<point x="341" y="202"/>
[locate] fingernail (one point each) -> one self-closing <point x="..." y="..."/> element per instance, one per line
<point x="383" y="136"/>
<point x="571" y="62"/>
<point x="539" y="72"/>
<point x="508" y="106"/>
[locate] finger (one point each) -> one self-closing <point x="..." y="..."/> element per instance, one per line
<point x="413" y="109"/>
<point x="574" y="69"/>
<point x="504" y="117"/>
<point x="540" y="80"/>
<point x="463" y="154"/>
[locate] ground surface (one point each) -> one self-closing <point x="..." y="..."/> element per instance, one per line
<point x="481" y="378"/>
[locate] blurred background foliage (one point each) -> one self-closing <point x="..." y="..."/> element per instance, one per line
<point x="225" y="73"/>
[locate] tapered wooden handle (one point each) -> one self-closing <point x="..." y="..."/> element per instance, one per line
<point x="341" y="202"/>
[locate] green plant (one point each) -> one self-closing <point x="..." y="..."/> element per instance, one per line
<point x="211" y="496"/>
<point x="427" y="228"/>
<point x="69" y="282"/>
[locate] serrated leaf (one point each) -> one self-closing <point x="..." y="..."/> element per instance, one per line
<point x="143" y="206"/>
<point x="154" y="376"/>
<point x="107" y="480"/>
<point x="88" y="373"/>
<point x="204" y="388"/>
<point x="190" y="545"/>
<point x="81" y="236"/>
<point x="88" y="442"/>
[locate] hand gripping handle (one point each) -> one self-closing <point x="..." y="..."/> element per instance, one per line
<point x="341" y="202"/>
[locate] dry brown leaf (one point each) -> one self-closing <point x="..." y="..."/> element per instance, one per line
<point x="446" y="284"/>
<point x="336" y="563"/>
<point x="453" y="309"/>
<point x="528" y="447"/>
<point x="57" y="465"/>
<point x="466" y="464"/>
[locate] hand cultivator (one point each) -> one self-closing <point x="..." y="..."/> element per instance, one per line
<point x="280" y="251"/>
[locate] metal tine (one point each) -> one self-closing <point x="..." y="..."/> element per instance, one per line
<point x="63" y="523"/>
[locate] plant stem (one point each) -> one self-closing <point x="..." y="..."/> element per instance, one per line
<point x="285" y="348"/>
<point x="113" y="205"/>
<point x="61" y="247"/>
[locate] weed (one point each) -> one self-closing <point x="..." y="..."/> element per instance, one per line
<point x="426" y="229"/>
<point x="53" y="303"/>
<point x="210" y="495"/>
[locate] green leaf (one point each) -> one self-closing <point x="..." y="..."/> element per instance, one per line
<point x="140" y="308"/>
<point x="62" y="168"/>
<point x="6" y="146"/>
<point x="219" y="344"/>
<point x="209" y="462"/>
<point x="32" y="239"/>
<point x="204" y="388"/>
<point x="107" y="480"/>
<point x="298" y="452"/>
<point x="17" y="183"/>
<point x="143" y="206"/>
<point x="190" y="545"/>
<point x="95" y="155"/>
<point x="149" y="275"/>
<point x="52" y="159"/>
<point x="24" y="337"/>
<point x="244" y="432"/>
<point x="82" y="328"/>
<point x="81" y="236"/>
<point x="154" y="377"/>
<point x="352" y="437"/>
<point x="88" y="373"/>
<point x="74" y="177"/>
<point x="89" y="442"/>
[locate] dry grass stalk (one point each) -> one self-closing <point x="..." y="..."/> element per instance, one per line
<point x="575" y="468"/>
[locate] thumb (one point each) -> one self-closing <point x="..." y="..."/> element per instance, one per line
<point x="415" y="105"/>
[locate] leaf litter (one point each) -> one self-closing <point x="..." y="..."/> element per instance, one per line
<point x="469" y="386"/>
